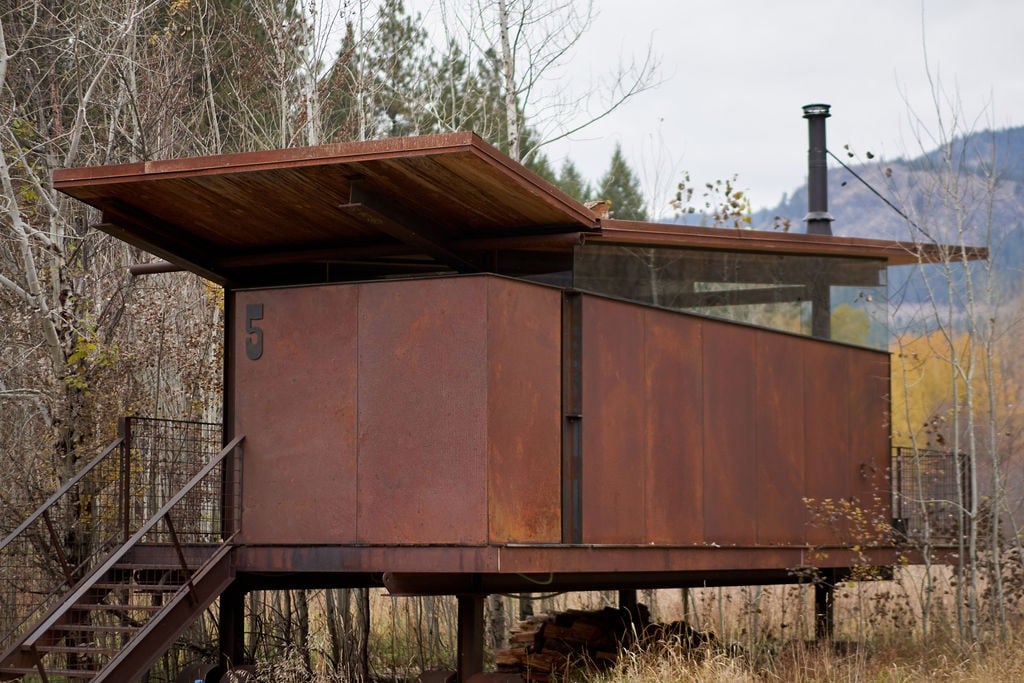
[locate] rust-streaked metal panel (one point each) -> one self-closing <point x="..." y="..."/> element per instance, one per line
<point x="780" y="401"/>
<point x="613" y="421"/>
<point x="653" y="558"/>
<point x="827" y="429"/>
<point x="295" y="404"/>
<point x="422" y="419"/>
<point x="869" y="440"/>
<point x="674" y="430"/>
<point x="730" y="414"/>
<point x="523" y="412"/>
<point x="538" y="562"/>
<point x="360" y="559"/>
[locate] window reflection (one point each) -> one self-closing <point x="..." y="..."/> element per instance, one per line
<point x="837" y="298"/>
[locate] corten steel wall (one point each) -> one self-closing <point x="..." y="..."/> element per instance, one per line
<point x="697" y="431"/>
<point x="422" y="411"/>
<point x="430" y="412"/>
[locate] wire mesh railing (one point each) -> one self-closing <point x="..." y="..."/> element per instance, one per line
<point x="162" y="456"/>
<point x="169" y="525"/>
<point x="99" y="508"/>
<point x="930" y="495"/>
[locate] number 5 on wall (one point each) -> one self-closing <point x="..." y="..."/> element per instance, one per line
<point x="254" y="340"/>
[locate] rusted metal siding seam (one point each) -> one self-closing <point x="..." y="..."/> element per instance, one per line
<point x="356" y="406"/>
<point x="572" y="417"/>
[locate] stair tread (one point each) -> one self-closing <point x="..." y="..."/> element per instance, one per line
<point x="67" y="673"/>
<point x="86" y="628"/>
<point x="98" y="606"/>
<point x="139" y="586"/>
<point x="81" y="649"/>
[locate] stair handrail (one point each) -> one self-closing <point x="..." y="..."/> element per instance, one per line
<point x="130" y="649"/>
<point x="11" y="629"/>
<point x="86" y="585"/>
<point x="62" y="491"/>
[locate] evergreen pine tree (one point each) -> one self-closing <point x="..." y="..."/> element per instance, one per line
<point x="621" y="187"/>
<point x="539" y="164"/>
<point x="378" y="85"/>
<point x="573" y="183"/>
<point x="399" y="56"/>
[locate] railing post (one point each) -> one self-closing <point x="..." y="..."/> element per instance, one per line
<point x="899" y="481"/>
<point x="124" y="429"/>
<point x="961" y="465"/>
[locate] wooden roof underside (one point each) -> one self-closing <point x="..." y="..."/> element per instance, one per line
<point x="400" y="204"/>
<point x="411" y="200"/>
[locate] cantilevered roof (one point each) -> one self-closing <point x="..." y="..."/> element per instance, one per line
<point x="382" y="207"/>
<point x="409" y="201"/>
<point x="895" y="253"/>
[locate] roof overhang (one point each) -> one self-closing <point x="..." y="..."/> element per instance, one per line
<point x="399" y="206"/>
<point x="894" y="253"/>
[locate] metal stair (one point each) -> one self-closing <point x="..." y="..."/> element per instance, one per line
<point x="132" y="602"/>
<point x="138" y="604"/>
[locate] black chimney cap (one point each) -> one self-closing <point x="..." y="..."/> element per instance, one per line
<point x="811" y="110"/>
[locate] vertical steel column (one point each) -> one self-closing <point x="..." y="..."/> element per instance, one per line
<point x="231" y="504"/>
<point x="627" y="601"/>
<point x="572" y="416"/>
<point x="821" y="309"/>
<point x="470" y="636"/>
<point x="232" y="627"/>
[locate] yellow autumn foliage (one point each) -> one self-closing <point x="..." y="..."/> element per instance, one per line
<point x="923" y="386"/>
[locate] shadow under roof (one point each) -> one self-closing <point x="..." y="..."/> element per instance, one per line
<point x="401" y="198"/>
<point x="383" y="207"/>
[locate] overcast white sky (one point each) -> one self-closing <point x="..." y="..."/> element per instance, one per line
<point x="735" y="74"/>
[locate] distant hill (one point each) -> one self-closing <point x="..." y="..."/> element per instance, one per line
<point x="913" y="186"/>
<point x="859" y="213"/>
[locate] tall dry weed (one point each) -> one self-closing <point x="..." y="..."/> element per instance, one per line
<point x="810" y="662"/>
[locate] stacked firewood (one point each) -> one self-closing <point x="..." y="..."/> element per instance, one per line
<point x="552" y="644"/>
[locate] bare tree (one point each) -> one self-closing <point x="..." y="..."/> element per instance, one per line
<point x="949" y="203"/>
<point x="531" y="42"/>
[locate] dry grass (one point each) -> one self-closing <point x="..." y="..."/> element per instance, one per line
<point x="762" y="634"/>
<point x="794" y="662"/>
<point x="811" y="663"/>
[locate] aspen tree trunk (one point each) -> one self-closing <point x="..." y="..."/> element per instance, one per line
<point x="333" y="619"/>
<point x="497" y="621"/>
<point x="508" y="68"/>
<point x="302" y="626"/>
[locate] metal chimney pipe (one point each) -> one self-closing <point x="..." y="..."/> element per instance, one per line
<point x="819" y="220"/>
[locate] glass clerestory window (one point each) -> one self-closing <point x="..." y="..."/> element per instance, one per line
<point x="838" y="298"/>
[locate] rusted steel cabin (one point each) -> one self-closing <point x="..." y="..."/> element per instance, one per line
<point x="453" y="378"/>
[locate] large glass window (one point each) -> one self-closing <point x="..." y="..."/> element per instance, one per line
<point x="843" y="299"/>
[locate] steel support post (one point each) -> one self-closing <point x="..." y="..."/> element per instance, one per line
<point x="470" y="636"/>
<point x="232" y="627"/>
<point x="627" y="601"/>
